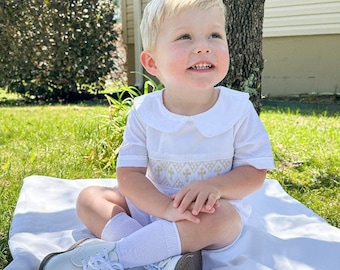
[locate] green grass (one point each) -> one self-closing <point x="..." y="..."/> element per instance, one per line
<point x="76" y="142"/>
<point x="50" y="140"/>
<point x="306" y="149"/>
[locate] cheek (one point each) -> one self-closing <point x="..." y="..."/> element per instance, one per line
<point x="224" y="57"/>
<point x="227" y="59"/>
<point x="176" y="60"/>
<point x="225" y="52"/>
<point x="177" y="51"/>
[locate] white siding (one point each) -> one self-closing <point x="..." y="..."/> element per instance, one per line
<point x="301" y="17"/>
<point x="281" y="18"/>
<point x="128" y="19"/>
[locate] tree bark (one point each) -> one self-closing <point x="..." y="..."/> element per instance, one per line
<point x="244" y="30"/>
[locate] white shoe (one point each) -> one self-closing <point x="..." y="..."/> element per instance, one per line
<point x="86" y="254"/>
<point x="188" y="261"/>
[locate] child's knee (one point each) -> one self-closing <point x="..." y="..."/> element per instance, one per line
<point x="86" y="199"/>
<point x="86" y="195"/>
<point x="227" y="225"/>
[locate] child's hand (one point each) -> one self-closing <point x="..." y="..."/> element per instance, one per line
<point x="172" y="214"/>
<point x="199" y="196"/>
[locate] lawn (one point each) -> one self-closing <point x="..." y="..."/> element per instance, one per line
<point x="306" y="148"/>
<point x="68" y="141"/>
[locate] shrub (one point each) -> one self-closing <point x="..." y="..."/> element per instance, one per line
<point x="56" y="48"/>
<point x="104" y="150"/>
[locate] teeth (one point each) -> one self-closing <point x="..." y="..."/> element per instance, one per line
<point x="202" y="66"/>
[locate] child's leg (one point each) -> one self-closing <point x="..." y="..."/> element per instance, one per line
<point x="104" y="212"/>
<point x="153" y="243"/>
<point x="96" y="206"/>
<point x="161" y="239"/>
<point x="120" y="226"/>
<point x="214" y="231"/>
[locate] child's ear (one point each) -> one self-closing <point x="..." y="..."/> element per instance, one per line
<point x="148" y="63"/>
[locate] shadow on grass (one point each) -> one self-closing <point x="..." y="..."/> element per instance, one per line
<point x="81" y="98"/>
<point x="287" y="170"/>
<point x="324" y="109"/>
<point x="97" y="100"/>
<point x="5" y="255"/>
<point x="322" y="182"/>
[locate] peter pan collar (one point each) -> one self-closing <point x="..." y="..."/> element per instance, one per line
<point x="227" y="111"/>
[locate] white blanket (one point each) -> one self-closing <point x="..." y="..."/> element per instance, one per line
<point x="281" y="233"/>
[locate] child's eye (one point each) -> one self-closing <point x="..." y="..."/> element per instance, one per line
<point x="215" y="35"/>
<point x="185" y="36"/>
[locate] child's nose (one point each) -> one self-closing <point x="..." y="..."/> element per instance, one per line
<point x="200" y="51"/>
<point x="202" y="47"/>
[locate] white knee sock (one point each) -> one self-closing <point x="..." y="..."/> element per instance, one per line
<point x="120" y="226"/>
<point x="152" y="243"/>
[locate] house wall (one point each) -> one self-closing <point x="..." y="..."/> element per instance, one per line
<point x="301" y="64"/>
<point x="301" y="45"/>
<point x="301" y="17"/>
<point x="130" y="26"/>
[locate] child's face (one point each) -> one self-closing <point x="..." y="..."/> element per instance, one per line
<point x="191" y="50"/>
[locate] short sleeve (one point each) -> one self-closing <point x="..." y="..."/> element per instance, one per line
<point x="252" y="145"/>
<point x="133" y="152"/>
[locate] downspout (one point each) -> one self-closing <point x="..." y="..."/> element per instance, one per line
<point x="137" y="11"/>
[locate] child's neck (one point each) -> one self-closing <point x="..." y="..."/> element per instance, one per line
<point x="190" y="104"/>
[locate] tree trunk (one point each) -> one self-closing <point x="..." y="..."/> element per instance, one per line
<point x="244" y="30"/>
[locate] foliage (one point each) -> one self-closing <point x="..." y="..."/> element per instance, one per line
<point x="105" y="150"/>
<point x="56" y="48"/>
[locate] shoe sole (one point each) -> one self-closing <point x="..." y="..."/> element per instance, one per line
<point x="51" y="255"/>
<point x="190" y="261"/>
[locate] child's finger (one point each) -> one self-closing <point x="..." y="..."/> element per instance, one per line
<point x="190" y="217"/>
<point x="199" y="204"/>
<point x="178" y="197"/>
<point x="187" y="201"/>
<point x="212" y="201"/>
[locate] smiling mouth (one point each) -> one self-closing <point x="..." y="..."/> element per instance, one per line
<point x="202" y="66"/>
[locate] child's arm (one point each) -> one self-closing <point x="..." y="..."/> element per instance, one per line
<point x="236" y="184"/>
<point x="139" y="190"/>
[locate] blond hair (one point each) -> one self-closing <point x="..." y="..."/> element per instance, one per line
<point x="158" y="10"/>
